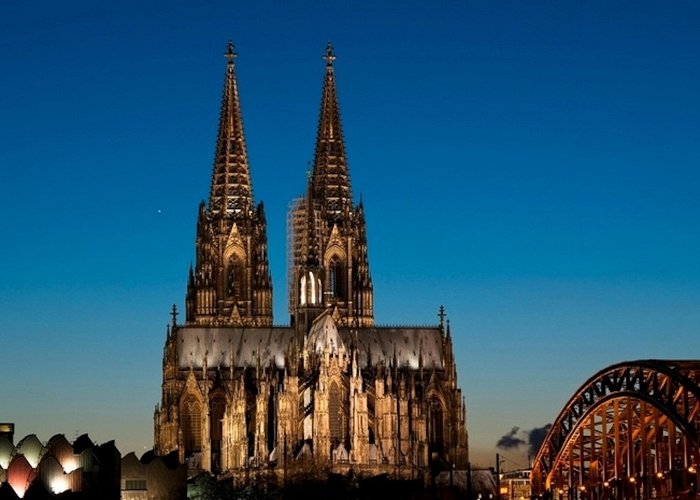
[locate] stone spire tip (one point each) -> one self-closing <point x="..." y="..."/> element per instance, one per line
<point x="330" y="56"/>
<point x="230" y="54"/>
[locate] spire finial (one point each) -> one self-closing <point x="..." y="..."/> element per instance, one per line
<point x="173" y="313"/>
<point x="230" y="54"/>
<point x="441" y="315"/>
<point x="329" y="57"/>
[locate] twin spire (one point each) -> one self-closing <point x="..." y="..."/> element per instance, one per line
<point x="231" y="281"/>
<point x="231" y="188"/>
<point x="331" y="182"/>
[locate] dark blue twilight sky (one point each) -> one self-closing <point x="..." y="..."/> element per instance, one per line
<point x="533" y="166"/>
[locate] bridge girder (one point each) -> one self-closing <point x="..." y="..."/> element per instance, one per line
<point x="630" y="420"/>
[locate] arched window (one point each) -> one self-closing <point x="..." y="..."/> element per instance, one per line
<point x="251" y="393"/>
<point x="335" y="278"/>
<point x="312" y="291"/>
<point x="191" y="425"/>
<point x="435" y="425"/>
<point x="309" y="289"/>
<point x="302" y="290"/>
<point x="271" y="430"/>
<point x="335" y="418"/>
<point x="217" y="407"/>
<point x="235" y="277"/>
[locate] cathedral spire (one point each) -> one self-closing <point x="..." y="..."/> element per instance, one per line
<point x="231" y="191"/>
<point x="331" y="181"/>
<point x="230" y="283"/>
<point x="329" y="264"/>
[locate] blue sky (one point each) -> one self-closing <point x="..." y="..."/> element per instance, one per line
<point x="533" y="166"/>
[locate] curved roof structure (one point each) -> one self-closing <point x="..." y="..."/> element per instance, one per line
<point x="60" y="448"/>
<point x="20" y="474"/>
<point x="59" y="465"/>
<point x="31" y="448"/>
<point x="7" y="449"/>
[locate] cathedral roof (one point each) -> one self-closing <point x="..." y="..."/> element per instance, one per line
<point x="240" y="346"/>
<point x="221" y="347"/>
<point x="404" y="346"/>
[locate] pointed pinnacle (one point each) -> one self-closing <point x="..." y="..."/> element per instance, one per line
<point x="329" y="57"/>
<point x="231" y="188"/>
<point x="230" y="53"/>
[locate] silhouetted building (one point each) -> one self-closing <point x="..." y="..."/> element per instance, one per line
<point x="85" y="470"/>
<point x="153" y="478"/>
<point x="42" y="471"/>
<point x="332" y="386"/>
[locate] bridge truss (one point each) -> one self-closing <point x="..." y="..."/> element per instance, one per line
<point x="630" y="432"/>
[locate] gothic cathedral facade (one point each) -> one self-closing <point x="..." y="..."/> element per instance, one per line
<point x="240" y="393"/>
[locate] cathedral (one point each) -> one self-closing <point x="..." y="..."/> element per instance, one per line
<point x="332" y="387"/>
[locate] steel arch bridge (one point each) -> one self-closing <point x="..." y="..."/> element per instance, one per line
<point x="630" y="432"/>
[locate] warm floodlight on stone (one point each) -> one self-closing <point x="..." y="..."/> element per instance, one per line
<point x="332" y="387"/>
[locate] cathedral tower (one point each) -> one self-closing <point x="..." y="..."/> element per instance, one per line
<point x="230" y="284"/>
<point x="329" y="266"/>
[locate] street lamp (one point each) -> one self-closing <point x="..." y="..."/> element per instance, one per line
<point x="692" y="470"/>
<point x="636" y="488"/>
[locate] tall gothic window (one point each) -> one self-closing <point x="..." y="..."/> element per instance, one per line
<point x="311" y="292"/>
<point x="302" y="291"/>
<point x="436" y="425"/>
<point x="191" y="425"/>
<point x="217" y="407"/>
<point x="251" y="393"/>
<point x="335" y="278"/>
<point x="271" y="430"/>
<point x="309" y="289"/>
<point x="335" y="418"/>
<point x="235" y="277"/>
